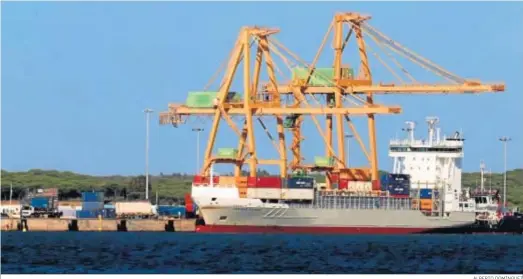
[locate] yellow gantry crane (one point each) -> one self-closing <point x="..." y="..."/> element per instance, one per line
<point x="311" y="92"/>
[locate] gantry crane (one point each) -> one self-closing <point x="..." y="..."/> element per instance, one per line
<point x="295" y="99"/>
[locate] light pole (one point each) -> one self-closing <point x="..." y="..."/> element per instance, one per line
<point x="348" y="137"/>
<point x="147" y="114"/>
<point x="504" y="140"/>
<point x="197" y="130"/>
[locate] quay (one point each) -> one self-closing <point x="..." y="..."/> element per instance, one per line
<point x="101" y="225"/>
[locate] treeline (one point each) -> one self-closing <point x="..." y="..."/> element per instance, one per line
<point x="172" y="187"/>
<point x="168" y="187"/>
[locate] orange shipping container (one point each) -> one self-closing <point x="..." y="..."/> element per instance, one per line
<point x="227" y="180"/>
<point x="426" y="204"/>
<point x="241" y="182"/>
<point x="242" y="192"/>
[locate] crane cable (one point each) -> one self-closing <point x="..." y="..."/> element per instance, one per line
<point x="380" y="46"/>
<point x="270" y="136"/>
<point x="379" y="42"/>
<point x="223" y="65"/>
<point x="385" y="64"/>
<point x="413" y="55"/>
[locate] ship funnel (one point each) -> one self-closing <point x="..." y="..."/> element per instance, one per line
<point x="410" y="130"/>
<point x="432" y="121"/>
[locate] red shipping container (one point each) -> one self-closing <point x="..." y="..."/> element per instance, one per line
<point x="188" y="203"/>
<point x="198" y="179"/>
<point x="251" y="182"/>
<point x="334" y="177"/>
<point x="268" y="182"/>
<point x="376" y="185"/>
<point x="344" y="184"/>
<point x="189" y="207"/>
<point x="205" y="180"/>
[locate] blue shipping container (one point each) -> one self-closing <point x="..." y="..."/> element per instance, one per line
<point x="40" y="202"/>
<point x="93" y="214"/>
<point x="427" y="193"/>
<point x="92" y="196"/>
<point x="395" y="177"/>
<point x="166" y="210"/>
<point x="300" y="182"/>
<point x="398" y="177"/>
<point x="86" y="214"/>
<point x="397" y="189"/>
<point x="92" y="205"/>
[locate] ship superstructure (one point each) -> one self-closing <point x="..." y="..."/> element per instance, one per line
<point x="433" y="162"/>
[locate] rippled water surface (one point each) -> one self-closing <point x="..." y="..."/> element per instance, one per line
<point x="81" y="252"/>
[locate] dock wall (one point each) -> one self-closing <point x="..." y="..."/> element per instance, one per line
<point x="130" y="225"/>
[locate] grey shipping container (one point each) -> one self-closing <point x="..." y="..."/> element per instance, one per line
<point x="92" y="205"/>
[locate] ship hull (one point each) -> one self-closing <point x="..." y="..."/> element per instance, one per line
<point x="261" y="219"/>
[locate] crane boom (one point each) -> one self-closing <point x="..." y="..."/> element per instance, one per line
<point x="397" y="89"/>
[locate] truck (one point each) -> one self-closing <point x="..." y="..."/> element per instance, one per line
<point x="134" y="209"/>
<point x="42" y="207"/>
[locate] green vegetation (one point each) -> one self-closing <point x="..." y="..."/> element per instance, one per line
<point x="170" y="186"/>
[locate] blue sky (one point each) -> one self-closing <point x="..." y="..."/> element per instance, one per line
<point x="77" y="76"/>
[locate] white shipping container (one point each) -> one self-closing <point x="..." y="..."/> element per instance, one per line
<point x="353" y="186"/>
<point x="217" y="192"/>
<point x="68" y="213"/>
<point x="297" y="194"/>
<point x="138" y="207"/>
<point x="366" y="186"/>
<point x="264" y="193"/>
<point x="360" y="186"/>
<point x="69" y="207"/>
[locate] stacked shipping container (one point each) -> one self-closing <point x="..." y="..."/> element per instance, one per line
<point x="426" y="198"/>
<point x="96" y="213"/>
<point x="268" y="187"/>
<point x="398" y="185"/>
<point x="93" y="205"/>
<point x="241" y="183"/>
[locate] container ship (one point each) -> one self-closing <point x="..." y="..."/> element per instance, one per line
<point x="423" y="194"/>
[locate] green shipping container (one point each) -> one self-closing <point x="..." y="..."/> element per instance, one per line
<point x="323" y="161"/>
<point x="320" y="77"/>
<point x="227" y="152"/>
<point x="203" y="99"/>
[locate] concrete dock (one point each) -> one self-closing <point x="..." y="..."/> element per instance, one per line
<point x="130" y="225"/>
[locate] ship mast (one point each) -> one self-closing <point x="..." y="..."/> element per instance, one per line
<point x="482" y="171"/>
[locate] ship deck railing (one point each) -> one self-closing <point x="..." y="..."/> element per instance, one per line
<point x="324" y="201"/>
